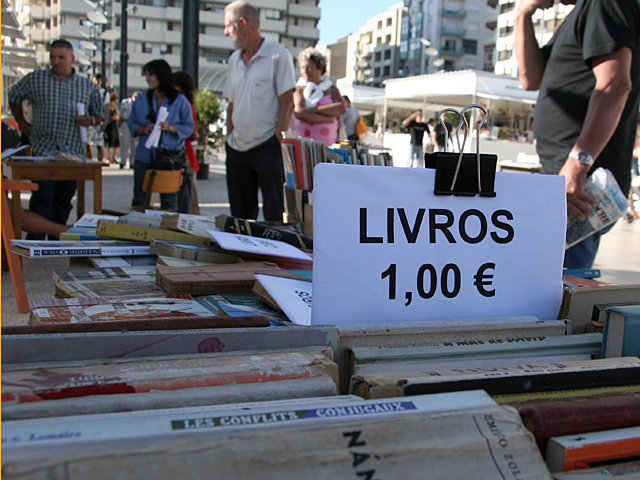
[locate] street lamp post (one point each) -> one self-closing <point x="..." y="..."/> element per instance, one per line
<point x="124" y="56"/>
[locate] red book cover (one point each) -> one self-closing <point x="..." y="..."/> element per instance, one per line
<point x="297" y="161"/>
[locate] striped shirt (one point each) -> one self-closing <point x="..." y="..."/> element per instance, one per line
<point x="54" y="109"/>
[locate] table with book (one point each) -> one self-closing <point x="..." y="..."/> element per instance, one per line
<point x="212" y="347"/>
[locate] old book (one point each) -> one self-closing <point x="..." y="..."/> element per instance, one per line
<point x="424" y="333"/>
<point x="137" y="219"/>
<point x="139" y="325"/>
<point x="79" y="274"/>
<point x="571" y="452"/>
<point x="124" y="344"/>
<point x="110" y="262"/>
<point x="292" y="296"/>
<point x="485" y="443"/>
<point x="78" y="234"/>
<point x="214" y="279"/>
<point x="170" y="372"/>
<point x="179" y="262"/>
<point x="572" y="418"/>
<point x="192" y="224"/>
<point x="57" y="248"/>
<point x="621" y="471"/>
<point x="621" y="334"/>
<point x="145" y="234"/>
<point x="241" y="305"/>
<point x="578" y="302"/>
<point x="131" y="309"/>
<point x="190" y="251"/>
<point x="263" y="248"/>
<point x="92" y="219"/>
<point x="256" y="229"/>
<point x="109" y="288"/>
<point x="502" y="381"/>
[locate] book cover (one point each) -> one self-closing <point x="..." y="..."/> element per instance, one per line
<point x="293" y="296"/>
<point x="288" y="154"/>
<point x="241" y="304"/>
<point x="179" y="262"/>
<point x="58" y="248"/>
<point x="621" y="334"/>
<point x="88" y="301"/>
<point x="75" y="274"/>
<point x="191" y="251"/>
<point x="91" y="220"/>
<point x="297" y="160"/>
<point x="144" y="234"/>
<point x="111" y="262"/>
<point x="137" y="219"/>
<point x="264" y="247"/>
<point x="256" y="229"/>
<point x="193" y="224"/>
<point x="106" y="288"/>
<point x="133" y="309"/>
<point x="571" y="452"/>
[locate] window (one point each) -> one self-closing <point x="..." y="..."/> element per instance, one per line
<point x="170" y="26"/>
<point x="271" y="14"/>
<point x="378" y="56"/>
<point x="376" y="72"/>
<point x="386" y="71"/>
<point x="118" y="21"/>
<point x="505" y="54"/>
<point x="378" y="41"/>
<point x="380" y="25"/>
<point x="203" y="29"/>
<point x="387" y="39"/>
<point x="166" y="49"/>
<point x="470" y="46"/>
<point x="146" y="48"/>
<point x="389" y="21"/>
<point x="387" y="54"/>
<point x="144" y="24"/>
<point x="116" y="69"/>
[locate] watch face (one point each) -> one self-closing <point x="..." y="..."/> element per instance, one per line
<point x="583" y="157"/>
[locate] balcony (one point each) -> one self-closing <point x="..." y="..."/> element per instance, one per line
<point x="453" y="52"/>
<point x="304" y="11"/>
<point x="37" y="13"/>
<point x="452" y="32"/>
<point x="308" y="33"/>
<point x="454" y="13"/>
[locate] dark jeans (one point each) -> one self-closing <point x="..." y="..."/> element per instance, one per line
<point x="168" y="201"/>
<point x="257" y="168"/>
<point x="582" y="254"/>
<point x="52" y="200"/>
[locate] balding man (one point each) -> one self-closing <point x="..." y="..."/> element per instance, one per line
<point x="260" y="90"/>
<point x="55" y="94"/>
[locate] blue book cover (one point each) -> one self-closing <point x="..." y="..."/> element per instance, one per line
<point x="621" y="334"/>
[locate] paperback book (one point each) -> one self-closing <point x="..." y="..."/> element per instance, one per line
<point x="190" y="251"/>
<point x="58" y="248"/>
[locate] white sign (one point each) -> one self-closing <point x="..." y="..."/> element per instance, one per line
<point x="293" y="296"/>
<point x="387" y="249"/>
<point x="257" y="245"/>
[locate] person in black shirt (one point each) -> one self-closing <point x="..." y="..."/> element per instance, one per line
<point x="589" y="81"/>
<point x="417" y="129"/>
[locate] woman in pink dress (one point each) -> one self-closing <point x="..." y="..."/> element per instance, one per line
<point x="318" y="104"/>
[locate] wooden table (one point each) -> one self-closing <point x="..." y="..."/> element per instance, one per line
<point x="52" y="170"/>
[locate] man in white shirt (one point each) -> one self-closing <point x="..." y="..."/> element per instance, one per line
<point x="260" y="90"/>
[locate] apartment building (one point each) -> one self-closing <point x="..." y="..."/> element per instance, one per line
<point x="155" y="31"/>
<point x="545" y="23"/>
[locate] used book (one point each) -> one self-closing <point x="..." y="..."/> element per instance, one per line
<point x="621" y="334"/>
<point x="263" y="248"/>
<point x="621" y="471"/>
<point x="58" y="248"/>
<point x="193" y="224"/>
<point x="109" y="288"/>
<point x="291" y="295"/>
<point x="256" y="229"/>
<point x="110" y="262"/>
<point x="145" y="234"/>
<point x="79" y="274"/>
<point x="215" y="279"/>
<point x="190" y="251"/>
<point x="92" y="219"/>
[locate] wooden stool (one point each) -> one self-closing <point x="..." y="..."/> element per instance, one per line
<point x="161" y="181"/>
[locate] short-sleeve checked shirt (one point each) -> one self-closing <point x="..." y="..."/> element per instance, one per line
<point x="54" y="109"/>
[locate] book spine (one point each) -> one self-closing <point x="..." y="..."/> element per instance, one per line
<point x="64" y="252"/>
<point x="143" y="234"/>
<point x="244" y="227"/>
<point x="125" y="250"/>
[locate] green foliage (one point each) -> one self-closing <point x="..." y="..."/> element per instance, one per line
<point x="207" y="109"/>
<point x="368" y="119"/>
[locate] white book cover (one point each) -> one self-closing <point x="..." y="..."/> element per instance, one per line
<point x="293" y="296"/>
<point x="92" y="219"/>
<point x="257" y="245"/>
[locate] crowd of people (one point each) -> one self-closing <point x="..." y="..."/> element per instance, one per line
<point x="588" y="76"/>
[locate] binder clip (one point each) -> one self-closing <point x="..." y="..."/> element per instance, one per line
<point x="463" y="174"/>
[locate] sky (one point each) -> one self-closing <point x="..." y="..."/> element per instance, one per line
<point x="340" y="18"/>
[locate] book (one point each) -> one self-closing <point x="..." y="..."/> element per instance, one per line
<point x="288" y="153"/>
<point x="179" y="262"/>
<point x="621" y="471"/>
<point x="91" y="220"/>
<point x="168" y="372"/>
<point x="79" y="233"/>
<point x="573" y="418"/>
<point x="109" y="288"/>
<point x="297" y="161"/>
<point x="242" y="304"/>
<point x="56" y="347"/>
<point x="138" y="219"/>
<point x="190" y="251"/>
<point x="293" y="296"/>
<point x="57" y="248"/>
<point x="256" y="229"/>
<point x="621" y="334"/>
<point x="145" y="234"/>
<point x="215" y="279"/>
<point x="74" y="274"/>
<point x="486" y="443"/>
<point x="193" y="224"/>
<point x="571" y="452"/>
<point x="132" y="309"/>
<point x="578" y="302"/>
<point x="262" y="247"/>
<point x="112" y="262"/>
<point x="582" y="272"/>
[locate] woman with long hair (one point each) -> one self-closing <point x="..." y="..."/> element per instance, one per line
<point x="175" y="129"/>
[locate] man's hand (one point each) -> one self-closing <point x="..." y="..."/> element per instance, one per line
<point x="579" y="202"/>
<point x="147" y="129"/>
<point x="529" y="7"/>
<point x="84" y="120"/>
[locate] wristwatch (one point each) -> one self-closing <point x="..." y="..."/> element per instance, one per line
<point x="583" y="157"/>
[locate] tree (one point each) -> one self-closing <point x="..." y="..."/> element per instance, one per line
<point x="207" y="109"/>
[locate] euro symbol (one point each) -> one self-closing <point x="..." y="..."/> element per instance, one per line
<point x="482" y="280"/>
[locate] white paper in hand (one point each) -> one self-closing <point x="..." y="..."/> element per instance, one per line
<point x="154" y="137"/>
<point x="293" y="296"/>
<point x="83" y="130"/>
<point x="261" y="246"/>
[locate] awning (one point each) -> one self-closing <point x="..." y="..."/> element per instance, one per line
<point x="213" y="78"/>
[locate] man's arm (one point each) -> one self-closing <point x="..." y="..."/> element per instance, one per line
<point x="18" y="114"/>
<point x="531" y="62"/>
<point x="229" y="118"/>
<point x="406" y="121"/>
<point x="613" y="85"/>
<point x="285" y="115"/>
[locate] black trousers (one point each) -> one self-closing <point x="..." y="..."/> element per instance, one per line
<point x="52" y="200"/>
<point x="257" y="168"/>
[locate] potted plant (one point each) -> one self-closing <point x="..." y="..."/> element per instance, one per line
<point x="207" y="109"/>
